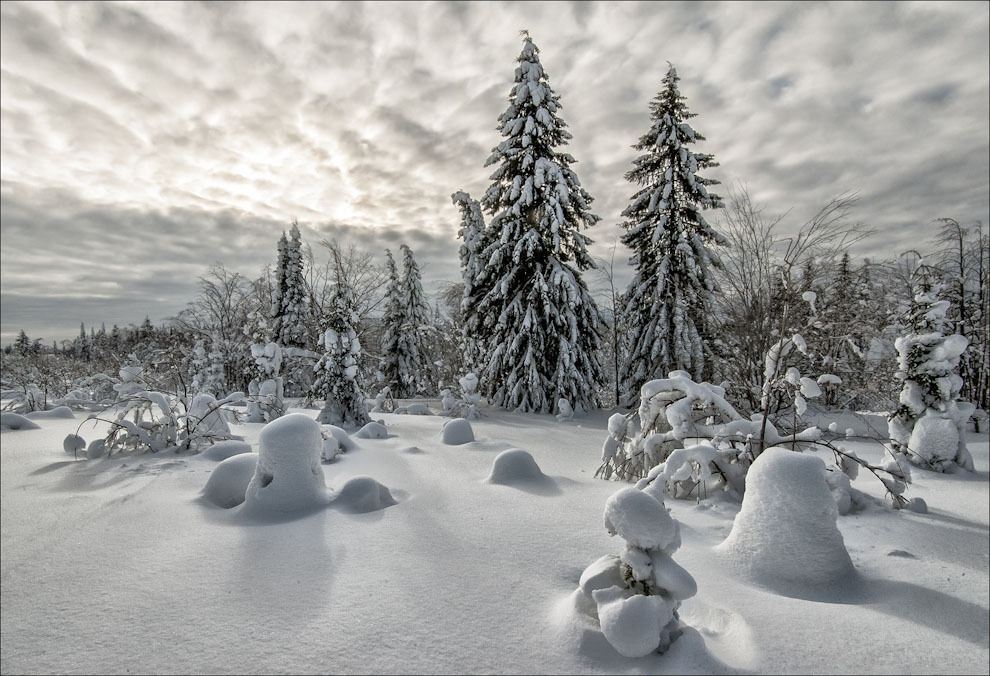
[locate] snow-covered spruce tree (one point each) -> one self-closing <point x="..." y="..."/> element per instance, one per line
<point x="215" y="380"/>
<point x="199" y="364"/>
<point x="294" y="301"/>
<point x="278" y="289"/>
<point x="415" y="365"/>
<point x="336" y="374"/>
<point x="393" y="319"/>
<point x="929" y="426"/>
<point x="472" y="234"/>
<point x="668" y="300"/>
<point x="540" y="326"/>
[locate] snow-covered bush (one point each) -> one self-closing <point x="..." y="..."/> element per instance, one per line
<point x="384" y="403"/>
<point x="564" y="410"/>
<point x="466" y="406"/>
<point x="676" y="410"/>
<point x="929" y="426"/>
<point x="147" y="421"/>
<point x="265" y="402"/>
<point x="829" y="384"/>
<point x="336" y="374"/>
<point x="635" y="596"/>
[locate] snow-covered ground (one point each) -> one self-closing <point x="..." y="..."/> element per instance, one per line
<point x="119" y="565"/>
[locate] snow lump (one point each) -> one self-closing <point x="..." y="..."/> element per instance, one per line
<point x="457" y="431"/>
<point x="289" y="476"/>
<point x="229" y="480"/>
<point x="785" y="535"/>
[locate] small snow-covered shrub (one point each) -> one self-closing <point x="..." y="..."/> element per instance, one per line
<point x="635" y="596"/>
<point x="384" y="403"/>
<point x="466" y="406"/>
<point x="929" y="426"/>
<point x="564" y="409"/>
<point x="148" y="421"/>
<point x="265" y="402"/>
<point x="336" y="374"/>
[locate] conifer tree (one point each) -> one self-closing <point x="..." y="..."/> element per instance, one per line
<point x="278" y="290"/>
<point x="336" y="375"/>
<point x="22" y="345"/>
<point x="540" y="326"/>
<point x="294" y="304"/>
<point x="415" y="367"/>
<point x="672" y="290"/>
<point x="472" y="234"/>
<point x="393" y="320"/>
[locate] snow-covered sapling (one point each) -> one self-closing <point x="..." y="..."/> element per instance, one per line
<point x="635" y="596"/>
<point x="929" y="426"/>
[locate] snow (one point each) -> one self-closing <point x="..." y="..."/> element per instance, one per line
<point x="934" y="437"/>
<point x="631" y="624"/>
<point x="121" y="550"/>
<point x="13" y="421"/>
<point x="785" y="535"/>
<point x="225" y="449"/>
<point x="514" y="466"/>
<point x="362" y="494"/>
<point x="57" y="412"/>
<point x="639" y="519"/>
<point x="229" y="480"/>
<point x="457" y="431"/>
<point x="373" y="430"/>
<point x="289" y="477"/>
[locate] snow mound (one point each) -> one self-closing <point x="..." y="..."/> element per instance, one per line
<point x="97" y="449"/>
<point x="785" y="535"/>
<point x="289" y="476"/>
<point x="514" y="465"/>
<point x="230" y="479"/>
<point x="225" y="449"/>
<point x="457" y="431"/>
<point x="363" y="494"/>
<point x="632" y="624"/>
<point x="12" y="421"/>
<point x="343" y="438"/>
<point x="373" y="430"/>
<point x="59" y="412"/>
<point x="639" y="519"/>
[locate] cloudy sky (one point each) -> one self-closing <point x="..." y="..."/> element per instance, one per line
<point x="142" y="142"/>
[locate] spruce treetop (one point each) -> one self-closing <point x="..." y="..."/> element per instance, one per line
<point x="534" y="192"/>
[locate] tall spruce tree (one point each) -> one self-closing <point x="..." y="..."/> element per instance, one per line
<point x="415" y="366"/>
<point x="393" y="319"/>
<point x="671" y="293"/>
<point x="541" y="327"/>
<point x="472" y="234"/>
<point x="278" y="289"/>
<point x="294" y="305"/>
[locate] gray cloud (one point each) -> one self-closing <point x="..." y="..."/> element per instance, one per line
<point x="143" y="142"/>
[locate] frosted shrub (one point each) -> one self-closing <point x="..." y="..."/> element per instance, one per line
<point x="635" y="596"/>
<point x="929" y="426"/>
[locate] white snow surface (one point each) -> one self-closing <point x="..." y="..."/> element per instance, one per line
<point x="115" y="565"/>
